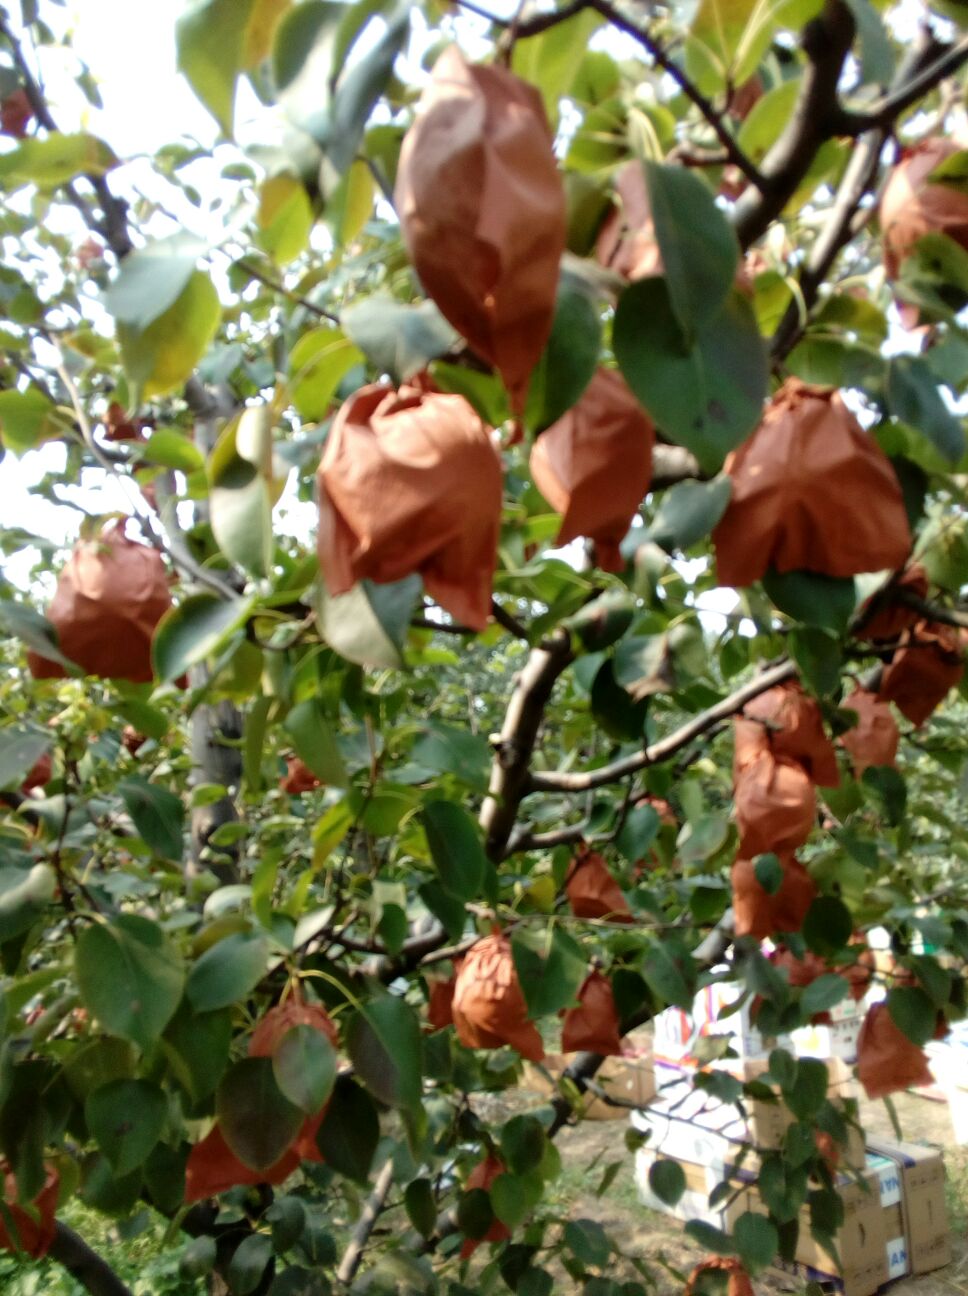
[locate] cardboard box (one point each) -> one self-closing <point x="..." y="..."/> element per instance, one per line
<point x="921" y="1196"/>
<point x="836" y="1040"/>
<point x="630" y="1078"/>
<point x="861" y="1241"/>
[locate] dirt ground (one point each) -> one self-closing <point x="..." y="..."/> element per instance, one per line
<point x="589" y="1148"/>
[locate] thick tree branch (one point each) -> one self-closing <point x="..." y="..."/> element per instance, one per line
<point x="563" y="781"/>
<point x="85" y="1265"/>
<point x="858" y="180"/>
<point x="957" y="617"/>
<point x="510" y="770"/>
<point x="816" y="117"/>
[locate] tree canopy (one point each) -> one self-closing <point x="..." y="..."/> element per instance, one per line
<point x="618" y="353"/>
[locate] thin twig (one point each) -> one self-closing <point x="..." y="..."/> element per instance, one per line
<point x="353" y="1255"/>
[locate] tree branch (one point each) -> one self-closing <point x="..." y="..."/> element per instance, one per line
<point x="85" y="1265"/>
<point x="815" y="118"/>
<point x="933" y="611"/>
<point x="692" y="92"/>
<point x="858" y="179"/>
<point x="555" y="781"/>
<point x="945" y="60"/>
<point x="510" y="770"/>
<point x="369" y="1215"/>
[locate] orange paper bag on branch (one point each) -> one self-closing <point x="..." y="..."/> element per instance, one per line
<point x="592" y="891"/>
<point x="794" y="729"/>
<point x="776" y="805"/>
<point x="592" y="1027"/>
<point x="923" y="670"/>
<point x="488" y="1006"/>
<point x="884" y="616"/>
<point x="440" y="1002"/>
<point x="110" y="596"/>
<point x="911" y="206"/>
<point x="812" y="491"/>
<point x="482" y="210"/>
<point x="887" y="1061"/>
<point x="737" y="1284"/>
<point x="298" y="777"/>
<point x="410" y="481"/>
<point x="32" y="1228"/>
<point x="758" y="913"/>
<point x="874" y="739"/>
<point x="594" y="465"/>
<point x="626" y="242"/>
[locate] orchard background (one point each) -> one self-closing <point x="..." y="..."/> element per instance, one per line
<point x="533" y="580"/>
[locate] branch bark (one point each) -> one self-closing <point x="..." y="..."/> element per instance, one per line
<point x="369" y="1215"/>
<point x="84" y="1264"/>
<point x="563" y="781"/>
<point x="511" y="777"/>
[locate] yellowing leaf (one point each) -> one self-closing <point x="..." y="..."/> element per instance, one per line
<point x="285" y="218"/>
<point x="55" y="160"/>
<point x="162" y="356"/>
<point x="264" y="18"/>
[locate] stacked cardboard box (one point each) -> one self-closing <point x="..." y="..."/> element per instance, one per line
<point x="893" y="1195"/>
<point x="629" y="1078"/>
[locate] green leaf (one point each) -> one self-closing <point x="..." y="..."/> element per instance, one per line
<point x="358" y="86"/>
<point x="667" y="1180"/>
<point x="588" y="1242"/>
<point x="129" y="976"/>
<point x="709" y="1237"/>
<point x="158" y="815"/>
<point x="551" y="965"/>
<point x="876" y="50"/>
<point x="197" y="1259"/>
<point x="287" y="1215"/>
<point x="26" y="419"/>
<point x="551" y="60"/>
<point x="55" y="160"/>
<point x="828" y="925"/>
<point x="397" y="339"/>
<point x="200" y="1043"/>
<point x="688" y="511"/>
<point x="257" y="1120"/>
<point x="248" y="1263"/>
<point x="475" y="1214"/>
<point x="510" y="1200"/>
<point x="126" y="1118"/>
<point x="152" y="278"/>
<point x="318" y="363"/>
<point x="350" y="1131"/>
<point x="808" y="1092"/>
<point x="33" y="630"/>
<point x="913" y="396"/>
<point x="315" y="742"/>
<point x="196" y="629"/>
<point x="913" y="1013"/>
<point x="826" y="602"/>
<point x="369" y="624"/>
<point x="721" y="26"/>
<point x="383" y="1043"/>
<point x="824" y="993"/>
<point x="448" y="750"/>
<point x="24" y="895"/>
<point x="209" y="39"/>
<point x="639" y="831"/>
<point x="819" y="656"/>
<point x="161" y="357"/>
<point x="304" y="1064"/>
<point x="699" y="248"/>
<point x="523" y="1144"/>
<point x="228" y="971"/>
<point x="602" y="622"/>
<point x="568" y="361"/>
<point x="242" y="491"/>
<point x="756" y="1240"/>
<point x="888" y="790"/>
<point x="20" y="750"/>
<point x="705" y="392"/>
<point x="171" y="449"/>
<point x="418" y="1199"/>
<point x="663" y="971"/>
<point x="769" y="873"/>
<point x="455" y="847"/>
